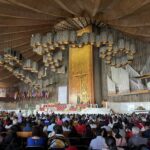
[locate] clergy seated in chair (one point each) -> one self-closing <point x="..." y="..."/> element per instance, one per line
<point x="36" y="140"/>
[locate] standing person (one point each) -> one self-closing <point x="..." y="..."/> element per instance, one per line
<point x="20" y="117"/>
<point x="78" y="99"/>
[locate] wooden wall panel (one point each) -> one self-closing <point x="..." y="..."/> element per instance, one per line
<point x="81" y="73"/>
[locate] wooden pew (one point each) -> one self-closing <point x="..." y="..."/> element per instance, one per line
<point x="23" y="134"/>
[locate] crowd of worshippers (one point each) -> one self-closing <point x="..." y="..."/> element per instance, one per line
<point x="75" y="132"/>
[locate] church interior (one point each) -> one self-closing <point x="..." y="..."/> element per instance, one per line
<point x="74" y="57"/>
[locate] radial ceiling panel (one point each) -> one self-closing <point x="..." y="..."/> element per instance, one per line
<point x="19" y="19"/>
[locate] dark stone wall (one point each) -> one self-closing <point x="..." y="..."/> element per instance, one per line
<point x="97" y="71"/>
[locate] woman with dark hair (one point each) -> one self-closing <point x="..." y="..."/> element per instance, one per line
<point x="66" y="126"/>
<point x="120" y="141"/>
<point x="111" y="143"/>
<point x="88" y="132"/>
<point x="36" y="140"/>
<point x="73" y="132"/>
<point x="104" y="132"/>
<point x="80" y="127"/>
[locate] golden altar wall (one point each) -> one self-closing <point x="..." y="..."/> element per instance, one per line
<point x="81" y="73"/>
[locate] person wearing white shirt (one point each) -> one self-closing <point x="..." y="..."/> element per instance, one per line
<point x="50" y="128"/>
<point x="107" y="128"/>
<point x="8" y="126"/>
<point x="93" y="125"/>
<point x="99" y="142"/>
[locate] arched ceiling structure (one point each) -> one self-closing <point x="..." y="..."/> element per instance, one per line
<point x="19" y="19"/>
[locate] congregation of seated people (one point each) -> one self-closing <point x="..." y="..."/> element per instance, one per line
<point x="74" y="132"/>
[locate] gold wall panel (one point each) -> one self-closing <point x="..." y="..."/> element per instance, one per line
<point x="81" y="73"/>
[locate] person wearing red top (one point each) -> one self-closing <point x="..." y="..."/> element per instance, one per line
<point x="140" y="125"/>
<point x="80" y="128"/>
<point x="58" y="121"/>
<point x="128" y="133"/>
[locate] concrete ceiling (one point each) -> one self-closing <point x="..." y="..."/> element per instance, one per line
<point x="19" y="19"/>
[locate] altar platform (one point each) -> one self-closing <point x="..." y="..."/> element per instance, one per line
<point x="72" y="109"/>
